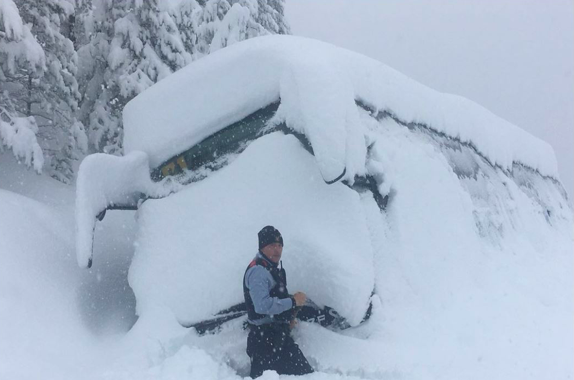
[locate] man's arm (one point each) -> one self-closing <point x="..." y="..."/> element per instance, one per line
<point x="259" y="282"/>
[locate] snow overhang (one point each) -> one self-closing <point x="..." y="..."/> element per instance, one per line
<point x="105" y="181"/>
<point x="318" y="85"/>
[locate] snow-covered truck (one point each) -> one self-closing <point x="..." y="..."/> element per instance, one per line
<point x="386" y="192"/>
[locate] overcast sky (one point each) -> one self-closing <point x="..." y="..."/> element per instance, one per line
<point x="515" y="57"/>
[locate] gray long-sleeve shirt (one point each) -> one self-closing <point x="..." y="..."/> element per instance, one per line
<point x="260" y="282"/>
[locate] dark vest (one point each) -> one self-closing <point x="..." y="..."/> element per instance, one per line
<point x="279" y="291"/>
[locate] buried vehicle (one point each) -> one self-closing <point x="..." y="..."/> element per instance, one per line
<point x="364" y="171"/>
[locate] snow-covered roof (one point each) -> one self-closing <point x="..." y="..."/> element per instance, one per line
<point x="318" y="85"/>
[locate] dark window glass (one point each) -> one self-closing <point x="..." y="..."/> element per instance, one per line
<point x="231" y="139"/>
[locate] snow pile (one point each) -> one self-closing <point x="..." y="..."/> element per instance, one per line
<point x="318" y="85"/>
<point x="106" y="180"/>
<point x="209" y="233"/>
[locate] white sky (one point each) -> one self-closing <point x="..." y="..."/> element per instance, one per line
<point x="515" y="57"/>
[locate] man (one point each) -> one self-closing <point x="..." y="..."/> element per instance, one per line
<point x="271" y="311"/>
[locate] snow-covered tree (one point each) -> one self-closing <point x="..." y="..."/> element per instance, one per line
<point x="55" y="97"/>
<point x="186" y="14"/>
<point x="94" y="30"/>
<point x="224" y="22"/>
<point x="271" y="16"/>
<point x="146" y="47"/>
<point x="69" y="63"/>
<point x="20" y="57"/>
<point x="132" y="44"/>
<point x="50" y="97"/>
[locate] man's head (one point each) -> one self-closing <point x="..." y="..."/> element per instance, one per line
<point x="271" y="243"/>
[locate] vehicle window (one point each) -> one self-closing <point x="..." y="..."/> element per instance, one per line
<point x="213" y="152"/>
<point x="230" y="139"/>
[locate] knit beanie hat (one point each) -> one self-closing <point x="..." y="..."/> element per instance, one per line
<point x="269" y="235"/>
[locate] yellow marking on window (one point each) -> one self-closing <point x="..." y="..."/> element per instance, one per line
<point x="181" y="162"/>
<point x="168" y="169"/>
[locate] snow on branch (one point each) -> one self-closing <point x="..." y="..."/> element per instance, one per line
<point x="10" y="20"/>
<point x="19" y="134"/>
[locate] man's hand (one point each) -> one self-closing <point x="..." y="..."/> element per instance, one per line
<point x="300" y="298"/>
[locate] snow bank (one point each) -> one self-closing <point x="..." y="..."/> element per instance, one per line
<point x="193" y="246"/>
<point x="41" y="333"/>
<point x="465" y="265"/>
<point x="318" y="85"/>
<point x="105" y="180"/>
